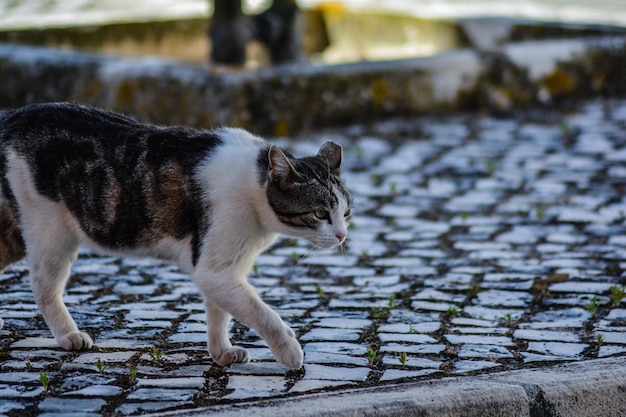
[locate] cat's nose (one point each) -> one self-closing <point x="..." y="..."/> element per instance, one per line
<point x="341" y="236"/>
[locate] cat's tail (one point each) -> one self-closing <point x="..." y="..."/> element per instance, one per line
<point x="12" y="247"/>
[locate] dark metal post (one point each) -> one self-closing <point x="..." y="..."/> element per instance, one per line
<point x="277" y="28"/>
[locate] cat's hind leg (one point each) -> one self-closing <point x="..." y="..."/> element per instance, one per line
<point x="51" y="242"/>
<point x="12" y="247"/>
<point x="220" y="348"/>
<point x="49" y="271"/>
<point x="52" y="247"/>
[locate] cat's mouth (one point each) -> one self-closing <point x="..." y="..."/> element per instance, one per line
<point x="328" y="242"/>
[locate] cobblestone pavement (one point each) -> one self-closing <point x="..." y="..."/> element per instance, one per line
<point x="478" y="244"/>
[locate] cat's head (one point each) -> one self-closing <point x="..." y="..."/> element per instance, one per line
<point x="308" y="195"/>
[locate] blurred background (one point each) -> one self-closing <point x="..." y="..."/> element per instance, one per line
<point x="221" y="62"/>
<point x="327" y="32"/>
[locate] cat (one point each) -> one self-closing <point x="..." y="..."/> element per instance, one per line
<point x="208" y="200"/>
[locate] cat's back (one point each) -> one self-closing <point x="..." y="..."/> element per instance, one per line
<point x="50" y="118"/>
<point x="68" y="130"/>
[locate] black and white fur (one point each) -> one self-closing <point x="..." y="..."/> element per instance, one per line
<point x="209" y="200"/>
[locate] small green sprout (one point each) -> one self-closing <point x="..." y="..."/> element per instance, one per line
<point x="133" y="376"/>
<point x="507" y="320"/>
<point x="319" y="290"/>
<point x="599" y="339"/>
<point x="593" y="305"/>
<point x="43" y="378"/>
<point x="472" y="290"/>
<point x="464" y="216"/>
<point x="402" y="358"/>
<point x="540" y="214"/>
<point x="393" y="188"/>
<point x="255" y="268"/>
<point x="376" y="180"/>
<point x="383" y="312"/>
<point x="617" y="294"/>
<point x="100" y="365"/>
<point x="29" y="365"/>
<point x="412" y="329"/>
<point x="490" y="165"/>
<point x="371" y="355"/>
<point x="452" y="311"/>
<point x="157" y="355"/>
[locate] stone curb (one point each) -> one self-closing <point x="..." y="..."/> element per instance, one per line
<point x="286" y="99"/>
<point x="595" y="387"/>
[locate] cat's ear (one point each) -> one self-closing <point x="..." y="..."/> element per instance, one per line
<point x="333" y="153"/>
<point x="280" y="166"/>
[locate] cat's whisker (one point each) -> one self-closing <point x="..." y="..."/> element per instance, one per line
<point x="342" y="248"/>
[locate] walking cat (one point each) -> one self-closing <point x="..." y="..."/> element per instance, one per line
<point x="209" y="200"/>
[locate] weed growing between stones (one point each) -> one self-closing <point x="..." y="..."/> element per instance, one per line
<point x="402" y="358"/>
<point x="617" y="294"/>
<point x="371" y="355"/>
<point x="593" y="305"/>
<point x="599" y="339"/>
<point x="100" y="365"/>
<point x="45" y="383"/>
<point x="452" y="311"/>
<point x="508" y="320"/>
<point x="157" y="355"/>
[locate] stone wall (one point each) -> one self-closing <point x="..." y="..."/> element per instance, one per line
<point x="287" y="99"/>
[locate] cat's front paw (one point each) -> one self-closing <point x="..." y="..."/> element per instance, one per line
<point x="230" y="356"/>
<point x="75" y="341"/>
<point x="288" y="352"/>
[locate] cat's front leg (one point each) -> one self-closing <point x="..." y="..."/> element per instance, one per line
<point x="220" y="348"/>
<point x="239" y="299"/>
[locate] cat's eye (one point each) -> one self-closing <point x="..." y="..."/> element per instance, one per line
<point x="347" y="213"/>
<point x="320" y="214"/>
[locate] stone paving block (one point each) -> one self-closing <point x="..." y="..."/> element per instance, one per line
<point x="539" y="335"/>
<point x="8" y="406"/>
<point x="95" y="391"/>
<point x="15" y="391"/>
<point x="403" y="337"/>
<point x="484" y="352"/>
<point x="395" y="374"/>
<point x="106" y="357"/>
<point x="246" y="386"/>
<point x="479" y="340"/>
<point x="433" y="349"/>
<point x="162" y="394"/>
<point x="54" y="404"/>
<point x="333" y="358"/>
<point x="558" y="349"/>
<point x="323" y="372"/>
<point x="144" y="407"/>
<point x="465" y="366"/>
<point x="310" y="385"/>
